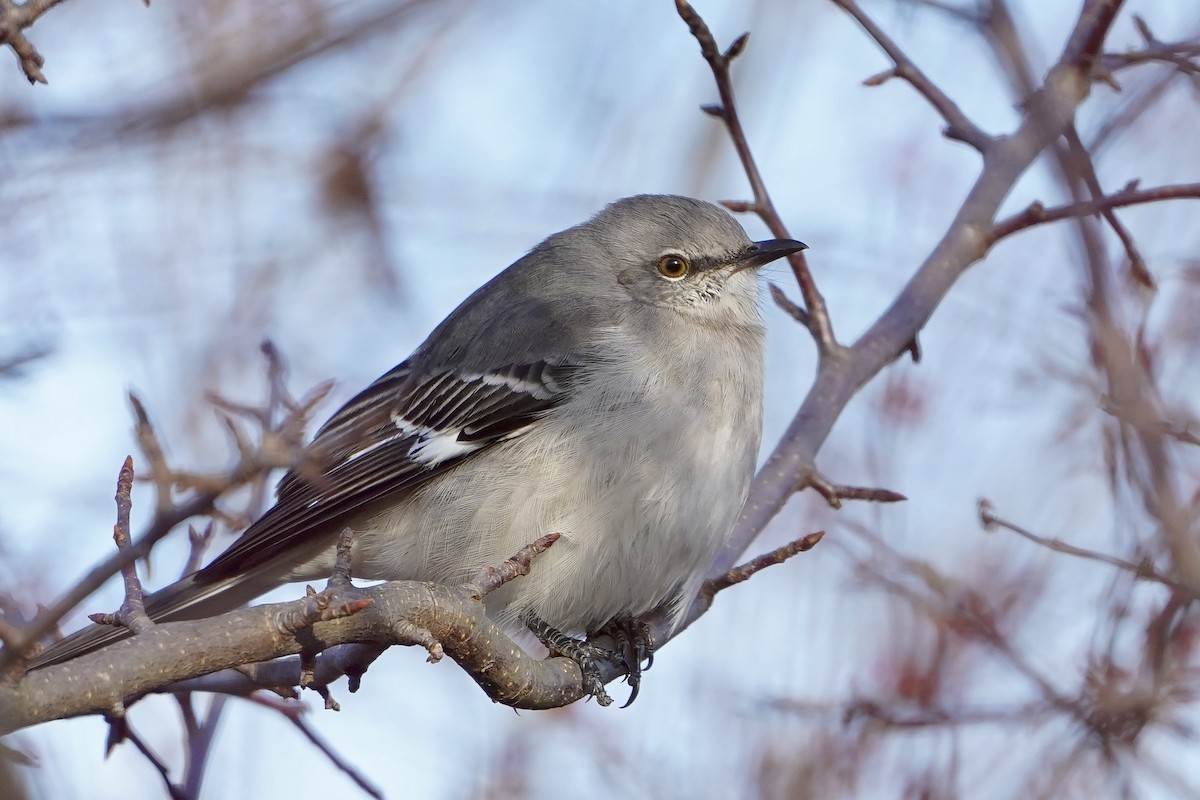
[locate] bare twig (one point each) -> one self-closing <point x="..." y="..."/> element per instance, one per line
<point x="342" y="764"/>
<point x="959" y="126"/>
<point x="1087" y="172"/>
<point x="790" y="308"/>
<point x="200" y="737"/>
<point x="1143" y="570"/>
<point x="1037" y="214"/>
<point x="281" y="447"/>
<point x="818" y="322"/>
<point x="834" y="493"/>
<point x="132" y="613"/>
<point x="492" y="578"/>
<point x="743" y="572"/>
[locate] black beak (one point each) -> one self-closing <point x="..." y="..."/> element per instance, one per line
<point x="766" y="251"/>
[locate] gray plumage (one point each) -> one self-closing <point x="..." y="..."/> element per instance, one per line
<point x="587" y="390"/>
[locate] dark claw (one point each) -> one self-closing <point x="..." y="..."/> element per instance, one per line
<point x="632" y="645"/>
<point x="584" y="654"/>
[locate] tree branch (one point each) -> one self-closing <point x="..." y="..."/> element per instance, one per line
<point x="453" y="617"/>
<point x="1047" y="114"/>
<point x="1037" y="214"/>
<point x="959" y="126"/>
<point x="816" y="317"/>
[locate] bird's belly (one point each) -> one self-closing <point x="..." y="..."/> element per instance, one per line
<point x="643" y="496"/>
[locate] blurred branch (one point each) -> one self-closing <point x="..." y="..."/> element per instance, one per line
<point x="1143" y="570"/>
<point x="280" y="447"/>
<point x="1181" y="55"/>
<point x="344" y="766"/>
<point x="229" y="82"/>
<point x="13" y="364"/>
<point x="1120" y="361"/>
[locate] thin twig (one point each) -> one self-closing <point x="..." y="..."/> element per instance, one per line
<point x="819" y="323"/>
<point x="339" y="762"/>
<point x="132" y="613"/>
<point x="175" y="791"/>
<point x="834" y="493"/>
<point x="780" y="554"/>
<point x="1143" y="570"/>
<point x="959" y="126"/>
<point x="1087" y="170"/>
<point x="1037" y="214"/>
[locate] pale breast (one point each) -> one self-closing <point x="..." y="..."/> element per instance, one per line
<point x="642" y="472"/>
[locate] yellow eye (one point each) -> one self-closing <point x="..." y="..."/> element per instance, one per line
<point x="673" y="266"/>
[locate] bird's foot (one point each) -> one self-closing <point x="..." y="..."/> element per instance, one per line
<point x="586" y="655"/>
<point x="632" y="645"/>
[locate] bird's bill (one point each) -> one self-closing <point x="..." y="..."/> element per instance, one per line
<point x="766" y="251"/>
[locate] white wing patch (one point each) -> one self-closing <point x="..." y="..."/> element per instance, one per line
<point x="432" y="446"/>
<point x="452" y="436"/>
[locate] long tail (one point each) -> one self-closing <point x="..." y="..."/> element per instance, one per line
<point x="188" y="598"/>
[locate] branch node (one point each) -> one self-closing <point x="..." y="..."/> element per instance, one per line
<point x="789" y="307"/>
<point x="415" y="634"/>
<point x="834" y="493"/>
<point x="490" y="578"/>
<point x="880" y="78"/>
<point x="736" y="47"/>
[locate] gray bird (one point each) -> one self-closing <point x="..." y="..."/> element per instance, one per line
<point x="607" y="387"/>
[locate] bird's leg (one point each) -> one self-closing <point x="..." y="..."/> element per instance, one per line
<point x="584" y="654"/>
<point x="632" y="645"/>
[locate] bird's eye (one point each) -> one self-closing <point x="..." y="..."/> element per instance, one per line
<point x="673" y="266"/>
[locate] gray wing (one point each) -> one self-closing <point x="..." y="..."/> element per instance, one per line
<point x="387" y="442"/>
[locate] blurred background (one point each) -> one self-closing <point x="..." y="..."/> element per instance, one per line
<point x="337" y="176"/>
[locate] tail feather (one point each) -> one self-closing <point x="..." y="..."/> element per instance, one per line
<point x="185" y="599"/>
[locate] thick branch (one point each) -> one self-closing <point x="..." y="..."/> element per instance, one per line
<point x="167" y="653"/>
<point x="1047" y="114"/>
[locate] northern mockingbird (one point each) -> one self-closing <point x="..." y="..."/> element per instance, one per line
<point x="607" y="387"/>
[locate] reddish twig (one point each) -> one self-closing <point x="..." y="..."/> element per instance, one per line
<point x="492" y="578"/>
<point x="790" y="308"/>
<point x="743" y="572"/>
<point x="818" y="322"/>
<point x="834" y="493"/>
<point x="132" y="613"/>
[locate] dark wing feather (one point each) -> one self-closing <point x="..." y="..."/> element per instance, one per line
<point x="383" y="443"/>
